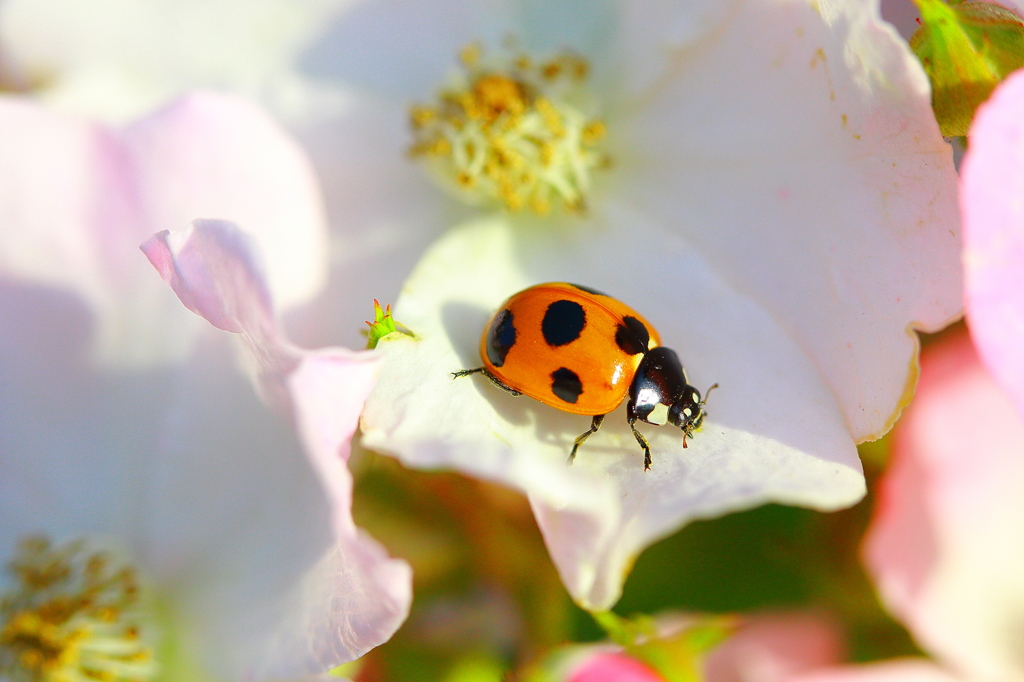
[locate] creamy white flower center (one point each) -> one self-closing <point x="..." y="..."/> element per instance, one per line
<point x="512" y="131"/>
<point x="71" y="617"/>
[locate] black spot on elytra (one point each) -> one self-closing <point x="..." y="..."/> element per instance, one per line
<point x="500" y="337"/>
<point x="595" y="292"/>
<point x="566" y="384"/>
<point x="563" y="322"/>
<point x="632" y="336"/>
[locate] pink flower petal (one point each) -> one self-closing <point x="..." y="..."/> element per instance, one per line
<point x="76" y="198"/>
<point x="356" y="596"/>
<point x="354" y="599"/>
<point x="329" y="388"/>
<point x="213" y="268"/>
<point x="993" y="212"/>
<point x="900" y="670"/>
<point x="767" y="647"/>
<point x="774" y="647"/>
<point x="214" y="156"/>
<point x="54" y="169"/>
<point x="945" y="547"/>
<point x="613" y="667"/>
<point x="261" y="568"/>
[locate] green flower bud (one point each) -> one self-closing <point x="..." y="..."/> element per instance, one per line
<point x="967" y="48"/>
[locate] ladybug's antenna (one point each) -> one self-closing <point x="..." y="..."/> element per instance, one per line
<point x="688" y="433"/>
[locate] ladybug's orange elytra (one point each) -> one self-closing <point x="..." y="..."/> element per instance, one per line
<point x="581" y="351"/>
<point x="565" y="353"/>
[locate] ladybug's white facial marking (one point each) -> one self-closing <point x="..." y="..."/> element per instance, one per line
<point x="659" y="415"/>
<point x="508" y="133"/>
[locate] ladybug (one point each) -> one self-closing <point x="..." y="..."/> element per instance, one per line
<point x="581" y="351"/>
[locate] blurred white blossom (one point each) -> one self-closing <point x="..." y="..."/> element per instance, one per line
<point x="123" y="421"/>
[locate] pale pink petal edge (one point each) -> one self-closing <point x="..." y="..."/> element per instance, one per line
<point x="992" y="185"/>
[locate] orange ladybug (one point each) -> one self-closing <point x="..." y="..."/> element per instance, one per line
<point x="582" y="351"/>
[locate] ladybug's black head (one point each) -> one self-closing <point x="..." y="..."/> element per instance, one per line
<point x="660" y="393"/>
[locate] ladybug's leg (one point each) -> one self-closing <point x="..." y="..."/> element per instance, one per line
<point x="642" y="441"/>
<point x="482" y="370"/>
<point x="467" y="372"/>
<point x="631" y="417"/>
<point x="494" y="380"/>
<point x="595" y="424"/>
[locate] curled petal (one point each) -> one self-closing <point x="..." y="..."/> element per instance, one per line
<point x="990" y="199"/>
<point x="213" y="268"/>
<point x="944" y="547"/>
<point x="209" y="155"/>
<point x="355" y="596"/>
<point x="78" y="197"/>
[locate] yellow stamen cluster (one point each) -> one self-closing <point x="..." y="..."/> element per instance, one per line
<point x="71" y="618"/>
<point x="509" y="133"/>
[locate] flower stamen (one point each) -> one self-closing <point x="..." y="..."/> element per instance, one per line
<point x="71" y="617"/>
<point x="511" y="132"/>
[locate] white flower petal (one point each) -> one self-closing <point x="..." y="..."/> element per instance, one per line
<point x="397" y="49"/>
<point x="774" y="431"/>
<point x="118" y="58"/>
<point x="384" y="213"/>
<point x="798" y="153"/>
<point x="232" y="516"/>
<point x="640" y="51"/>
<point x="69" y="435"/>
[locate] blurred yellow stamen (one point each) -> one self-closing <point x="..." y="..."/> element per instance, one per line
<point x="511" y="132"/>
<point x="71" y="617"/>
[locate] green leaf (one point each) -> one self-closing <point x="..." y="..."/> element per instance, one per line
<point x="347" y="670"/>
<point x="966" y="48"/>
<point x="625" y="631"/>
<point x="476" y="667"/>
<point x="676" y="657"/>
